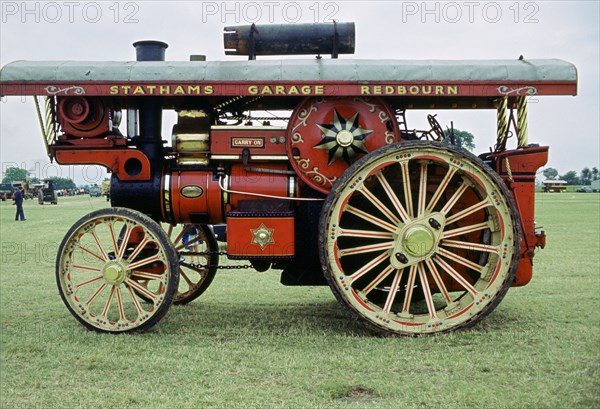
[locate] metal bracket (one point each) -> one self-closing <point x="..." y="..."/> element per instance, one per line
<point x="252" y="42"/>
<point x="336" y="41"/>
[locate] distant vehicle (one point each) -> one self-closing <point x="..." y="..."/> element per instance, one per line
<point x="555" y="186"/>
<point x="6" y="191"/>
<point x="27" y="194"/>
<point x="595" y="185"/>
<point x="48" y="194"/>
<point x="584" y="189"/>
<point x="106" y="189"/>
<point x="95" y="191"/>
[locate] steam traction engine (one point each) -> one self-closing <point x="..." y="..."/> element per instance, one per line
<point x="312" y="167"/>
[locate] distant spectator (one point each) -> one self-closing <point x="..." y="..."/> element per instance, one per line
<point x="18" y="201"/>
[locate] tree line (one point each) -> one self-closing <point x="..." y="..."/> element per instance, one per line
<point x="585" y="176"/>
<point x="11" y="174"/>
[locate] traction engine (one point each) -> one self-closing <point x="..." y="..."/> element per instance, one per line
<point x="311" y="166"/>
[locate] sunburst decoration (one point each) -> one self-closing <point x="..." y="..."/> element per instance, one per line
<point x="343" y="138"/>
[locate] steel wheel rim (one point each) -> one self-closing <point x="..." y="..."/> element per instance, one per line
<point x="407" y="247"/>
<point x="116" y="285"/>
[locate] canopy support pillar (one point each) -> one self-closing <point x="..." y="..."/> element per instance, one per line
<point x="501" y="123"/>
<point x="522" y="131"/>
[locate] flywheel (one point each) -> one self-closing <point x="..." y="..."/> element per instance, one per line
<point x="327" y="135"/>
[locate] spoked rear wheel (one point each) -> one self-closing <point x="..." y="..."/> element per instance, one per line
<point x="419" y="238"/>
<point x="99" y="275"/>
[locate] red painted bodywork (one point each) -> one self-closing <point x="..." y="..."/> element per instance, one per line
<point x="116" y="160"/>
<point x="241" y="242"/>
<point x="181" y="207"/>
<point x="524" y="163"/>
<point x="259" y="141"/>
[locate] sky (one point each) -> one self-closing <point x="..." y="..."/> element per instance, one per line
<point x="461" y="30"/>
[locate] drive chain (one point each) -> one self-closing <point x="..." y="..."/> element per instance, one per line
<point x="209" y="266"/>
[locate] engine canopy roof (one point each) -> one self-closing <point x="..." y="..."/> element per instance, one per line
<point x="484" y="78"/>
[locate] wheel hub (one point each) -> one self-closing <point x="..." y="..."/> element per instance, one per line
<point x="418" y="241"/>
<point x="114" y="273"/>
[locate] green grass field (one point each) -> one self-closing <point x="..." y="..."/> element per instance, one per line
<point x="250" y="342"/>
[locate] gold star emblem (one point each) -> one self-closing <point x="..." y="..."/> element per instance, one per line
<point x="262" y="236"/>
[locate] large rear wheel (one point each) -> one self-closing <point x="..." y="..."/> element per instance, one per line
<point x="419" y="238"/>
<point x="100" y="275"/>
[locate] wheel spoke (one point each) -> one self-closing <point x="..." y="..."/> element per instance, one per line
<point x="407" y="190"/>
<point x="441" y="188"/>
<point x="393" y="292"/>
<point x="93" y="280"/>
<point x="369" y="266"/>
<point x="468" y="211"/>
<point x="460" y="260"/>
<point x="120" y="304"/>
<point x="170" y="230"/>
<point x="450" y="204"/>
<point x="138" y="307"/>
<point x="438" y="280"/>
<point x="141" y="289"/>
<point x="113" y="238"/>
<point x="386" y="272"/>
<point x="409" y="288"/>
<point x="455" y="275"/>
<point x="179" y="237"/>
<point x="380" y="206"/>
<point x="145" y="275"/>
<point x="186" y="278"/>
<point x="107" y="305"/>
<point x="365" y="234"/>
<point x="190" y="243"/>
<point x="426" y="291"/>
<point x="370" y="218"/>
<point x="465" y="230"/>
<point x="91" y="253"/>
<point x="422" y="189"/>
<point x="470" y="246"/>
<point x="138" y="249"/>
<point x="393" y="198"/>
<point x="94" y="269"/>
<point x="96" y="294"/>
<point x="93" y="233"/>
<point x="366" y="249"/>
<point x="125" y="241"/>
<point x="144" y="262"/>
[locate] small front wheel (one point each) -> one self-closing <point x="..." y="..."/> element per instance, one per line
<point x="99" y="274"/>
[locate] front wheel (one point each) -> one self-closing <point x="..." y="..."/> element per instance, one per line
<point x="99" y="274"/>
<point x="419" y="238"/>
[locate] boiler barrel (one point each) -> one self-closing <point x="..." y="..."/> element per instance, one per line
<point x="288" y="39"/>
